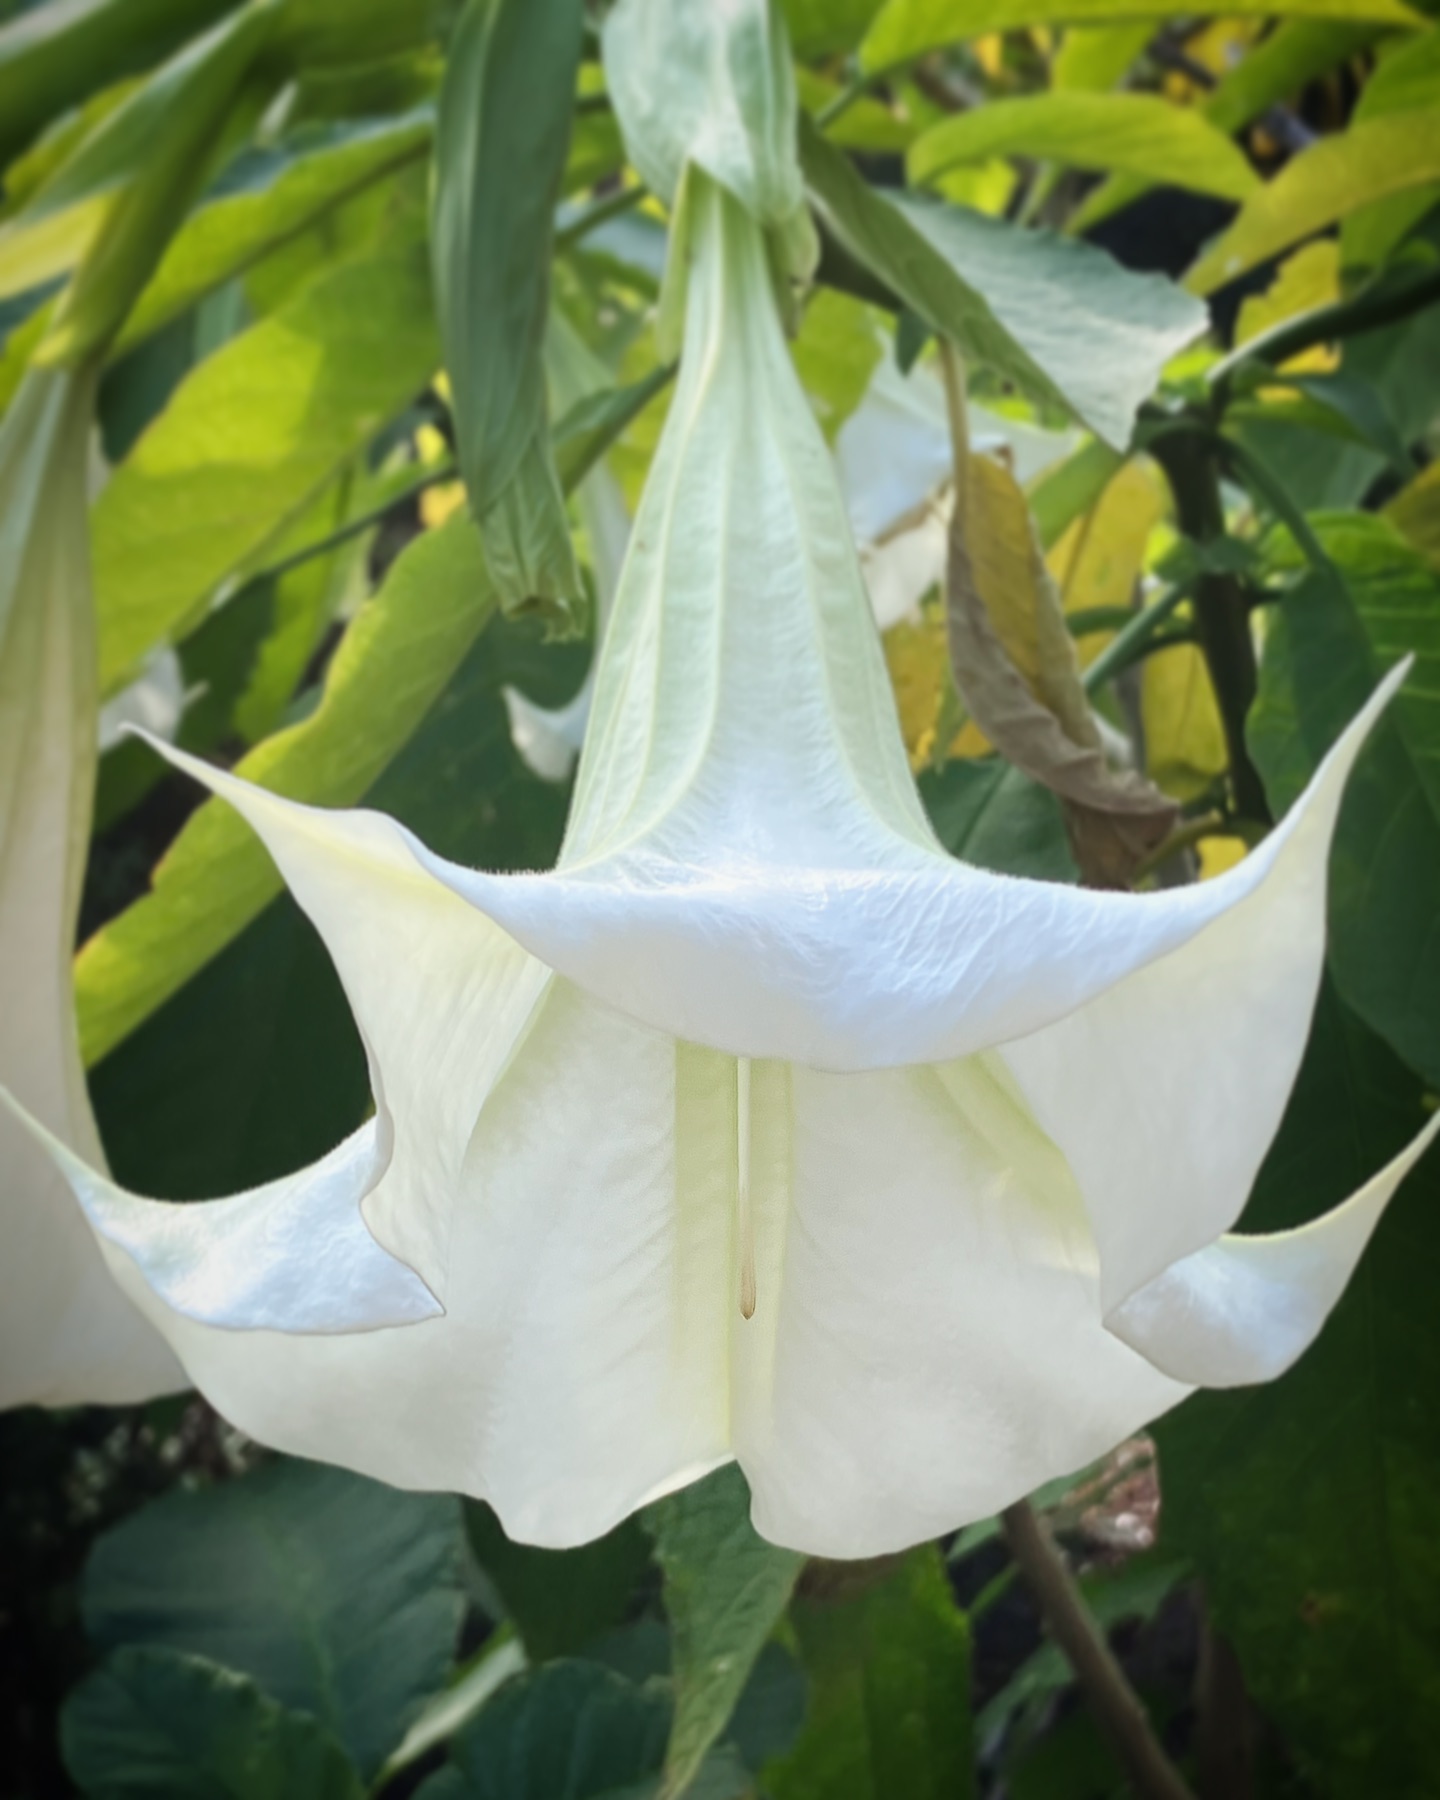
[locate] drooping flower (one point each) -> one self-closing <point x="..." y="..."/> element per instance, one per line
<point x="760" y="1128"/>
<point x="67" y="1333"/>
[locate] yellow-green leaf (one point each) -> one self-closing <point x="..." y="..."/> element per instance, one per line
<point x="1138" y="133"/>
<point x="1184" y="736"/>
<point x="1415" y="513"/>
<point x="1321" y="186"/>
<point x="248" y="440"/>
<point x="906" y="29"/>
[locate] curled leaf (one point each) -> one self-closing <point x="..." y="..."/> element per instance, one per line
<point x="1017" y="672"/>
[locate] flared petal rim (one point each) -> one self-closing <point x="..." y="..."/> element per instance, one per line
<point x="1245" y="1308"/>
<point x="292" y="1256"/>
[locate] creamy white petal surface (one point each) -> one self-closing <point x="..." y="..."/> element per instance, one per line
<point x="1244" y="1308"/>
<point x="761" y="1127"/>
<point x="66" y="1331"/>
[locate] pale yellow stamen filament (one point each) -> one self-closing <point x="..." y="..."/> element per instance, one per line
<point x="744" y="1221"/>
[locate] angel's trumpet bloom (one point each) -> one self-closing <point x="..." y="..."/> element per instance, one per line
<point x="67" y="1332"/>
<point x="761" y="1128"/>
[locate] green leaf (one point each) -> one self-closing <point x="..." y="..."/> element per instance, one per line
<point x="1322" y="185"/>
<point x="827" y="27"/>
<point x="505" y="108"/>
<point x="569" y="1731"/>
<point x="888" y="1657"/>
<point x="338" y="1596"/>
<point x="559" y="1601"/>
<point x="1407" y="80"/>
<point x="725" y="1589"/>
<point x="1139" y="133"/>
<point x="906" y="29"/>
<point x="989" y="814"/>
<point x="110" y="208"/>
<point x="200" y="1099"/>
<point x="1060" y="319"/>
<point x="1277" y="67"/>
<point x="1323" y="658"/>
<point x="52" y="57"/>
<point x="153" y="1725"/>
<point x="248" y="440"/>
<point x="266" y="200"/>
<point x="1307" y="1504"/>
<point x="1095" y="57"/>
<point x="325" y="32"/>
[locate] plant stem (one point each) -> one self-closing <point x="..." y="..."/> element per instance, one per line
<point x="352" y="527"/>
<point x="1117" y="1707"/>
<point x="1365" y="311"/>
<point x="843" y="101"/>
<point x="1121" y="651"/>
<point x="1222" y="611"/>
<point x="600" y="212"/>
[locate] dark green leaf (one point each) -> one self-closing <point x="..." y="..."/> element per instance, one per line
<point x="340" y="1597"/>
<point x="1323" y="657"/>
<point x="560" y="1601"/>
<point x="888" y="1658"/>
<point x="1307" y="1504"/>
<point x="725" y="1589"/>
<point x="52" y="57"/>
<point x="500" y="152"/>
<point x="154" y="1725"/>
<point x="569" y="1731"/>
<point x="989" y="814"/>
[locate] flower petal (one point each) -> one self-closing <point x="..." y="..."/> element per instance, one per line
<point x="294" y="1255"/>
<point x="941" y="961"/>
<point x="579" y="1366"/>
<point x="1245" y="1308"/>
<point x="1165" y="1091"/>
<point x="440" y="994"/>
<point x="926" y="1345"/>
<point x="67" y="1333"/>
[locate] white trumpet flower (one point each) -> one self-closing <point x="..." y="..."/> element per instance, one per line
<point x="760" y="1128"/>
<point x="67" y="1332"/>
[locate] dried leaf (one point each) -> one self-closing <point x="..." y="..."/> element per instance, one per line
<point x="1016" y="669"/>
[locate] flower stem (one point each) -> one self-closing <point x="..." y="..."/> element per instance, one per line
<point x="1117" y="1707"/>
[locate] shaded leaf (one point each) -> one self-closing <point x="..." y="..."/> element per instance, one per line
<point x="559" y="1601"/>
<point x="725" y="1589"/>
<point x="338" y="1596"/>
<point x="154" y="1725"/>
<point x="989" y="814"/>
<point x="1322" y="185"/>
<point x="888" y="1657"/>
<point x="1061" y="320"/>
<point x="505" y="111"/>
<point x="1330" y="646"/>
<point x="1140" y="133"/>
<point x="51" y="57"/>
<point x="1306" y="1503"/>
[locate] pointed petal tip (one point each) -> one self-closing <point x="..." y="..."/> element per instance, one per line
<point x="294" y="1256"/>
<point x="1244" y="1309"/>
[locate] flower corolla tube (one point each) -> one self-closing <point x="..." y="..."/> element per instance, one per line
<point x="760" y="1128"/>
<point x="67" y="1333"/>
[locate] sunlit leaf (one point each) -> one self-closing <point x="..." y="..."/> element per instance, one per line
<point x="906" y="29"/>
<point x="1140" y="133"/>
<point x="1415" y="513"/>
<point x="267" y="201"/>
<point x="1407" y="80"/>
<point x="1321" y="186"/>
<point x="1061" y="320"/>
<point x="248" y="441"/>
<point x="1184" y="736"/>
